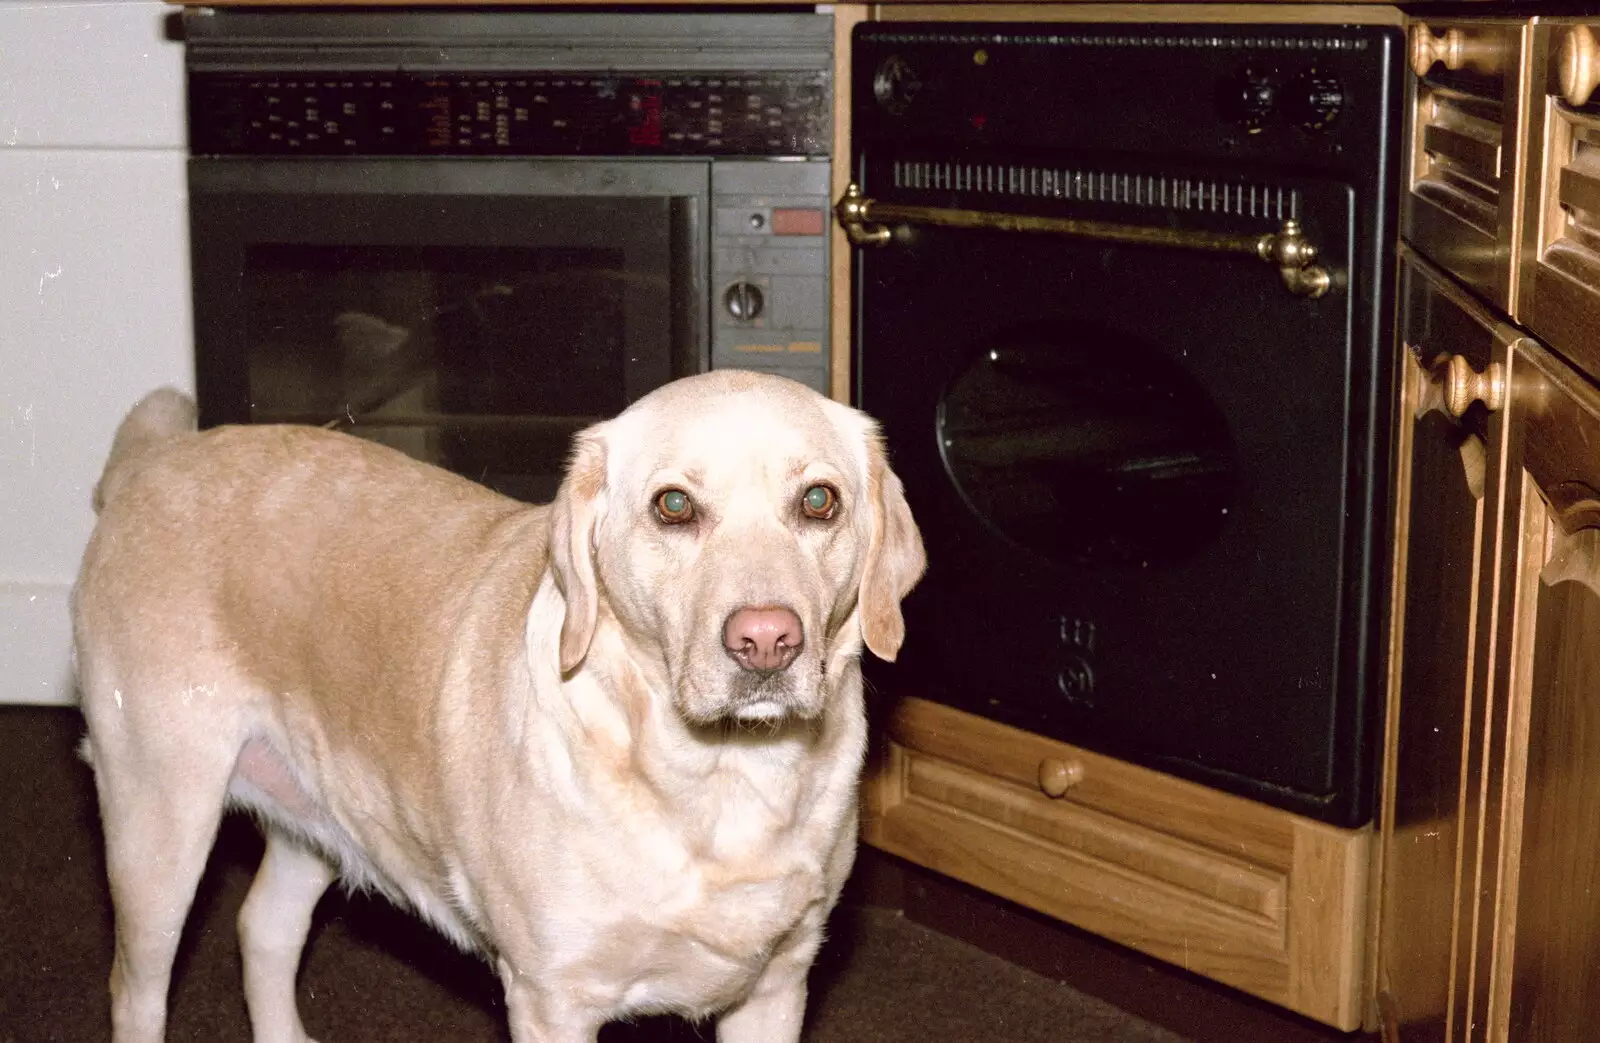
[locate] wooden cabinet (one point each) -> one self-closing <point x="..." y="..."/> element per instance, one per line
<point x="1450" y="446"/>
<point x="1559" y="249"/>
<point x="1489" y="877"/>
<point x="1485" y="894"/>
<point x="1544" y="949"/>
<point x="1490" y="871"/>
<point x="1249" y="895"/>
<point x="1462" y="205"/>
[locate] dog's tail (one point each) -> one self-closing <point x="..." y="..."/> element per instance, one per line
<point x="159" y="417"/>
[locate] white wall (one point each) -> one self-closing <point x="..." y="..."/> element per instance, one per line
<point x="94" y="289"/>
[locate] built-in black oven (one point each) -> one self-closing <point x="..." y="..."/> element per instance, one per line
<point x="1125" y="302"/>
<point x="467" y="235"/>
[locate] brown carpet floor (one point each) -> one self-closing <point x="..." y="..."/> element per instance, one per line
<point x="373" y="974"/>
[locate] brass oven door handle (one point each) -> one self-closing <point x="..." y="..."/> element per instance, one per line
<point x="866" y="223"/>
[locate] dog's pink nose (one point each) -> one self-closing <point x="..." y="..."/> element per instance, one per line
<point x="765" y="638"/>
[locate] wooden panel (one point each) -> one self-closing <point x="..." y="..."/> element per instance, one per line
<point x="1196" y="813"/>
<point x="1547" y="973"/>
<point x="841" y="331"/>
<point x="1524" y="557"/>
<point x="1253" y="892"/>
<point x="1248" y="895"/>
<point x="1559" y="272"/>
<point x="1462" y="209"/>
<point x="1327" y="918"/>
<point x="1438" y="706"/>
<point x="1096" y="896"/>
<point x="1421" y="832"/>
<point x="446" y="4"/>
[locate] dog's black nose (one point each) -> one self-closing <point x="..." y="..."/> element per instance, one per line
<point x="763" y="639"/>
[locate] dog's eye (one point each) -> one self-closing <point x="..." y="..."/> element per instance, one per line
<point x="820" y="501"/>
<point x="674" y="507"/>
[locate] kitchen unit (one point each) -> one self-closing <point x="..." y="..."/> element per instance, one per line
<point x="470" y="235"/>
<point x="1466" y="911"/>
<point x="1489" y="927"/>
<point x="1151" y="529"/>
<point x="1478" y="919"/>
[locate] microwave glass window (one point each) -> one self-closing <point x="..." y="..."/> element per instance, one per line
<point x="485" y="361"/>
<point x="478" y="331"/>
<point x="1082" y="449"/>
<point x="405" y="333"/>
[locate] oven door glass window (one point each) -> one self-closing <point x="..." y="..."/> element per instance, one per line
<point x="475" y="331"/>
<point x="1085" y="447"/>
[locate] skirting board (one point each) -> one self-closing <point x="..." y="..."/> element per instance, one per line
<point x="36" y="645"/>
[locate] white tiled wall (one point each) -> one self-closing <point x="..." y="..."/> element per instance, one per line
<point x="94" y="289"/>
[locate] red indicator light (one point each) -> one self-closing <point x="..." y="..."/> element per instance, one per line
<point x="647" y="132"/>
<point x="796" y="221"/>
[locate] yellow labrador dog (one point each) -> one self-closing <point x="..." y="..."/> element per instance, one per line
<point x="611" y="743"/>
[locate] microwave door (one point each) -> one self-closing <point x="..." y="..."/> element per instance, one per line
<point x="474" y="318"/>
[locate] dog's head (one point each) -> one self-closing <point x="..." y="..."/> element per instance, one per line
<point x="746" y="536"/>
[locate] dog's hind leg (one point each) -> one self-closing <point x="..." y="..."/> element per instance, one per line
<point x="160" y="807"/>
<point x="272" y="932"/>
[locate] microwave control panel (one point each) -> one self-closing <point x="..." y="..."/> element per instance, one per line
<point x="769" y="113"/>
<point x="769" y="268"/>
<point x="508" y="83"/>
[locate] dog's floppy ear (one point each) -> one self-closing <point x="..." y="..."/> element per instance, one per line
<point x="573" y="517"/>
<point x="895" y="558"/>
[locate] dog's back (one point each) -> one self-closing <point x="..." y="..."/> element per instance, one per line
<point x="240" y="582"/>
<point x="344" y="557"/>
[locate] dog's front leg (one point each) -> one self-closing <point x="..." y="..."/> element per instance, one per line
<point x="540" y="1015"/>
<point x="776" y="1006"/>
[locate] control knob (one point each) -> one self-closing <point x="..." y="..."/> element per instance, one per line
<point x="1247" y="99"/>
<point x="1314" y="99"/>
<point x="744" y="301"/>
<point x="895" y="84"/>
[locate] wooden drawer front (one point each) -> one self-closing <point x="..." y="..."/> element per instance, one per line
<point x="1245" y="894"/>
<point x="1462" y="207"/>
<point x="1560" y="255"/>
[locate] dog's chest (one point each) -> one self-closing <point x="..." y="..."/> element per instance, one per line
<point x="697" y="943"/>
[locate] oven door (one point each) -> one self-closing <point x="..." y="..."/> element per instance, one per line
<point x="474" y="313"/>
<point x="1150" y="484"/>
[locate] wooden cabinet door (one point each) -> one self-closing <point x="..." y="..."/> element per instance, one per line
<point x="1463" y="199"/>
<point x="1449" y="454"/>
<point x="1558" y="255"/>
<point x="1545" y="950"/>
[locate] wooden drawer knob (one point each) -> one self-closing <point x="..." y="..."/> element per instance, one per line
<point x="1057" y="776"/>
<point x="1426" y="48"/>
<point x="1579" y="62"/>
<point x="1463" y="386"/>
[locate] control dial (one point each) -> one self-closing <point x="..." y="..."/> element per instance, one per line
<point x="744" y="301"/>
<point x="895" y="85"/>
<point x="1247" y="98"/>
<point x="1314" y="99"/>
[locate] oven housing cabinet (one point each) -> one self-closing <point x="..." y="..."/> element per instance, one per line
<point x="1154" y="482"/>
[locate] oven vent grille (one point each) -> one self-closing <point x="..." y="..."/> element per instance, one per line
<point x="1156" y="191"/>
<point x="991" y="38"/>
